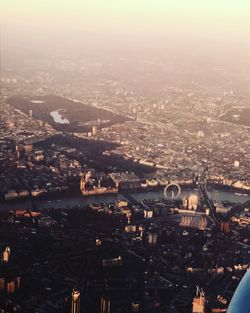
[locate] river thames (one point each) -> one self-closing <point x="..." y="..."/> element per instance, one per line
<point x="67" y="202"/>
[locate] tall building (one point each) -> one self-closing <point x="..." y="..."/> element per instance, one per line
<point x="2" y="283"/>
<point x="11" y="286"/>
<point x="193" y="202"/>
<point x="225" y="227"/>
<point x="105" y="305"/>
<point x="18" y="282"/>
<point x="6" y="255"/>
<point x="141" y="231"/>
<point x="75" y="303"/>
<point x="94" y="130"/>
<point x="199" y="301"/>
<point x="152" y="238"/>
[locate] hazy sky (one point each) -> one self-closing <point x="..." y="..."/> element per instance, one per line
<point x="206" y="20"/>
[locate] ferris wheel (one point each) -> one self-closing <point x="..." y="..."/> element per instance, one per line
<point x="172" y="191"/>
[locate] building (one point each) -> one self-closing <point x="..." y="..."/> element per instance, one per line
<point x="2" y="283"/>
<point x="135" y="307"/>
<point x="93" y="184"/>
<point x="190" y="201"/>
<point x="200" y="134"/>
<point x="28" y="148"/>
<point x="225" y="227"/>
<point x="240" y="302"/>
<point x="236" y="164"/>
<point x="152" y="239"/>
<point x="94" y="130"/>
<point x="75" y="303"/>
<point x="148" y="213"/>
<point x="11" y="286"/>
<point x="199" y="301"/>
<point x="105" y="305"/>
<point x="193" y="202"/>
<point x="6" y="255"/>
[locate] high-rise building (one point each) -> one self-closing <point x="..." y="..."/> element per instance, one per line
<point x="6" y="255"/>
<point x="141" y="231"/>
<point x="11" y="286"/>
<point x="105" y="305"/>
<point x="193" y="202"/>
<point x="199" y="301"/>
<point x="94" y="130"/>
<point x="135" y="307"/>
<point x="2" y="283"/>
<point x="152" y="238"/>
<point x="75" y="302"/>
<point x="18" y="282"/>
<point x="225" y="227"/>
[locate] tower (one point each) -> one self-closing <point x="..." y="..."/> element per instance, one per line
<point x="75" y="303"/>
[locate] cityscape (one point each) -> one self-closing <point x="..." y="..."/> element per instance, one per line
<point x="124" y="162"/>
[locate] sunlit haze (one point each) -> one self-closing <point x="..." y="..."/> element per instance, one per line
<point x="125" y="156"/>
<point x="213" y="25"/>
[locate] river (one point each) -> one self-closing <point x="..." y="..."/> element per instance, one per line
<point x="67" y="202"/>
<point x="58" y="117"/>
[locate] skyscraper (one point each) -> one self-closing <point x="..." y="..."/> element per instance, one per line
<point x="75" y="304"/>
<point x="199" y="301"/>
<point x="6" y="255"/>
<point x="105" y="305"/>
